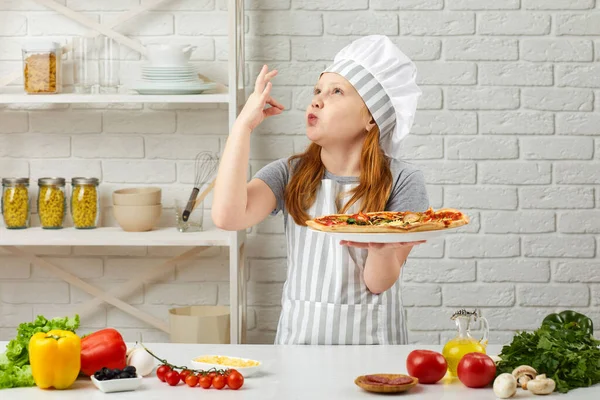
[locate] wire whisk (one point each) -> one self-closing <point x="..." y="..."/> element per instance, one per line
<point x="205" y="168"/>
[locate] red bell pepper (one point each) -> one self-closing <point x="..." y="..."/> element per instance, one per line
<point x="104" y="348"/>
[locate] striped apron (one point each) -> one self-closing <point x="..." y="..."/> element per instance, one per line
<point x="325" y="299"/>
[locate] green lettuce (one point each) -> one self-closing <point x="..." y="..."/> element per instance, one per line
<point x="12" y="376"/>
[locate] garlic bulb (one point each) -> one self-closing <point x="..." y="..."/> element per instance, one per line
<point x="142" y="361"/>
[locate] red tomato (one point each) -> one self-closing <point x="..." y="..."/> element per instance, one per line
<point x="219" y="382"/>
<point x="205" y="381"/>
<point x="476" y="370"/>
<point x="162" y="371"/>
<point x="172" y="378"/>
<point x="191" y="380"/>
<point x="426" y="365"/>
<point x="184" y="374"/>
<point x="212" y="375"/>
<point x="235" y="380"/>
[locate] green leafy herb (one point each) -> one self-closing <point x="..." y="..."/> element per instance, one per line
<point x="570" y="356"/>
<point x="13" y="376"/>
<point x="14" y="364"/>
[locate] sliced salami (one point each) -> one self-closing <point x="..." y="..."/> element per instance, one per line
<point x="402" y="380"/>
<point x="376" y="379"/>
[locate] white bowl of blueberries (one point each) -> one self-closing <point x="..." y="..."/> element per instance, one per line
<point x="117" y="380"/>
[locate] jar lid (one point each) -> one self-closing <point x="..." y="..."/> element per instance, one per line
<point x="15" y="181"/>
<point x="51" y="182"/>
<point x="40" y="45"/>
<point x="84" y="181"/>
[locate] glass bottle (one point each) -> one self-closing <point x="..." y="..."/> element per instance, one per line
<point x="15" y="202"/>
<point x="85" y="202"/>
<point x="463" y="343"/>
<point x="51" y="202"/>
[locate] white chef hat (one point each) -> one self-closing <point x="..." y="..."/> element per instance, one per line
<point x="385" y="79"/>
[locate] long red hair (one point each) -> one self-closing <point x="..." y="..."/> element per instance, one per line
<point x="373" y="190"/>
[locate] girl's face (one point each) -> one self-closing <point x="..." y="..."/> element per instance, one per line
<point x="335" y="116"/>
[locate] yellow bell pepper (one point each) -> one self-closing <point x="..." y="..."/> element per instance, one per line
<point x="55" y="358"/>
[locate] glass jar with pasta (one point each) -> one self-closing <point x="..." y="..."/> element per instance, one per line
<point x="42" y="67"/>
<point x="85" y="204"/>
<point x="51" y="202"/>
<point x="15" y="202"/>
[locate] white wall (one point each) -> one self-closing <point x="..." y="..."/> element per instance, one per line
<point x="507" y="130"/>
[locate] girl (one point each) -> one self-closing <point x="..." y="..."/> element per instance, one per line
<point x="363" y="105"/>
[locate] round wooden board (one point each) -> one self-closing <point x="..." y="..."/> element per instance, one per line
<point x="363" y="383"/>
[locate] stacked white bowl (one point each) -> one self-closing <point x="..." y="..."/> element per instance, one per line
<point x="169" y="72"/>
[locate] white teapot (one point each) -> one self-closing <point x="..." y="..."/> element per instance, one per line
<point x="169" y="54"/>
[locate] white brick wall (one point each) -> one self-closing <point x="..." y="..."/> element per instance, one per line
<point x="507" y="129"/>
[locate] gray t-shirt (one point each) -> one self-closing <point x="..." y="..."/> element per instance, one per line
<point x="409" y="192"/>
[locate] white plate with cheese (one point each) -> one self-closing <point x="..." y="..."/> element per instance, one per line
<point x="247" y="367"/>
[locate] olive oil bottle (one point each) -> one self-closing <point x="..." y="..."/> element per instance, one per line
<point x="463" y="343"/>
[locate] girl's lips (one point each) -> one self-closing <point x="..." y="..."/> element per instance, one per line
<point x="312" y="119"/>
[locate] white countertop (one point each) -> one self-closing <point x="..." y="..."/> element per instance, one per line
<point x="291" y="372"/>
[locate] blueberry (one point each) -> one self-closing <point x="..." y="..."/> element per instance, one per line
<point x="130" y="369"/>
<point x="123" y="375"/>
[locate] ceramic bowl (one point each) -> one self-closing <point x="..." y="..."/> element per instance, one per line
<point x="143" y="196"/>
<point x="162" y="54"/>
<point x="137" y="218"/>
<point x="118" y="385"/>
<point x="245" y="371"/>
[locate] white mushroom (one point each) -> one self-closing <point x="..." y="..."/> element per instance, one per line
<point x="505" y="386"/>
<point x="541" y="385"/>
<point x="523" y="374"/>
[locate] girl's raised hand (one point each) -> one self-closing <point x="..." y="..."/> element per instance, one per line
<point x="254" y="112"/>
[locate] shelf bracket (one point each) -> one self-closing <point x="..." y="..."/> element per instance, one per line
<point x="153" y="273"/>
<point x="101" y="295"/>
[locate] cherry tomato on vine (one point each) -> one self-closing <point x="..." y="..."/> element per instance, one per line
<point x="212" y="374"/>
<point x="162" y="371"/>
<point x="219" y="382"/>
<point x="184" y="374"/>
<point x="205" y="381"/>
<point x="235" y="380"/>
<point x="191" y="380"/>
<point x="172" y="377"/>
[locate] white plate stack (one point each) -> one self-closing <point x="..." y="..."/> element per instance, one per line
<point x="171" y="80"/>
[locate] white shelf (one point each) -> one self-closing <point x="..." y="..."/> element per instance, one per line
<point x="112" y="236"/>
<point x="22" y="98"/>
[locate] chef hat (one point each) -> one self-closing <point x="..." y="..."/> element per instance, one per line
<point x="385" y="79"/>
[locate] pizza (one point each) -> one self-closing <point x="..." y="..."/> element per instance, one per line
<point x="390" y="221"/>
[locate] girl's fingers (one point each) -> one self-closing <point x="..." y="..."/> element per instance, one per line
<point x="270" y="75"/>
<point x="269" y="112"/>
<point x="275" y="103"/>
<point x="266" y="94"/>
<point x="260" y="79"/>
